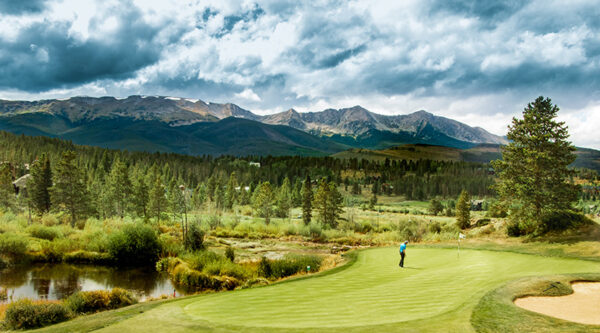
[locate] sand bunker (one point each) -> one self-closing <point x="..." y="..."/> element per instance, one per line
<point x="583" y="306"/>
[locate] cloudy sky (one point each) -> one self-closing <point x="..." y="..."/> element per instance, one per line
<point x="473" y="61"/>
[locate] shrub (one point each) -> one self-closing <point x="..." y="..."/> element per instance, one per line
<point x="48" y="253"/>
<point x="135" y="245"/>
<point x="365" y="227"/>
<point x="167" y="264"/>
<point x="214" y="221"/>
<point x="99" y="300"/>
<point x="226" y="268"/>
<point x="43" y="232"/>
<point x="290" y="264"/>
<point x="170" y="246"/>
<point x="563" y="220"/>
<point x="182" y="275"/>
<point x="49" y="220"/>
<point x="515" y="228"/>
<point x="412" y="231"/>
<point x="435" y="227"/>
<point x="194" y="239"/>
<point x="264" y="267"/>
<point x="3" y="264"/>
<point x="316" y="231"/>
<point x="200" y="259"/>
<point x="25" y="314"/>
<point x="13" y="246"/>
<point x="230" y="253"/>
<point x="497" y="209"/>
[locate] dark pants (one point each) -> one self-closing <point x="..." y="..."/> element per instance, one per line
<point x="401" y="259"/>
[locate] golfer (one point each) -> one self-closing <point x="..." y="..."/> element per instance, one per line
<point x="402" y="253"/>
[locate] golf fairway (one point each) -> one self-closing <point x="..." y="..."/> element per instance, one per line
<point x="435" y="286"/>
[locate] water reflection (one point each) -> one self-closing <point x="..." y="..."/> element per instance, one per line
<point x="58" y="281"/>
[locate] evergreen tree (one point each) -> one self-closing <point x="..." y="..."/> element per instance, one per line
<point x="39" y="185"/>
<point x="284" y="199"/>
<point x="211" y="186"/>
<point x="328" y="203"/>
<point x="69" y="192"/>
<point x="262" y="201"/>
<point x="157" y="201"/>
<point x="119" y="188"/>
<point x="219" y="197"/>
<point x="375" y="187"/>
<point x="373" y="202"/>
<point x="7" y="191"/>
<point x="245" y="195"/>
<point x="307" y="199"/>
<point x="533" y="173"/>
<point x="199" y="196"/>
<point x="102" y="198"/>
<point x="297" y="193"/>
<point x="141" y="196"/>
<point x="463" y="210"/>
<point x="175" y="198"/>
<point x="356" y="188"/>
<point x="231" y="192"/>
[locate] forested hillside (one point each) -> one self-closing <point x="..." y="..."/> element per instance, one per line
<point x="107" y="173"/>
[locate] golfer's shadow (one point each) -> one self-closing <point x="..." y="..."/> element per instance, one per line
<point x="417" y="268"/>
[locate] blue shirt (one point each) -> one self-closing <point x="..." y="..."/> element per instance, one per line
<point x="402" y="247"/>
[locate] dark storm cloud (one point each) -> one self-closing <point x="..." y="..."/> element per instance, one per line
<point x="325" y="40"/>
<point x="17" y="7"/>
<point x="339" y="57"/>
<point x="430" y="48"/>
<point x="45" y="55"/>
<point x="489" y="12"/>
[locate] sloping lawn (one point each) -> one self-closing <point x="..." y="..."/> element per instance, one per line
<point x="436" y="291"/>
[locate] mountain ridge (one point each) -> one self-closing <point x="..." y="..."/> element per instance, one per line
<point x="176" y="111"/>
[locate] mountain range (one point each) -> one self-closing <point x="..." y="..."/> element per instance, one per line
<point x="191" y="126"/>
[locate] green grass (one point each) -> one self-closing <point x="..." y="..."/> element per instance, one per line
<point x="436" y="291"/>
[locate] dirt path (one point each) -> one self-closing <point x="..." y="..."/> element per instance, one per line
<point x="583" y="306"/>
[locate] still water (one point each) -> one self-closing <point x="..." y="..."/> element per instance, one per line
<point x="58" y="281"/>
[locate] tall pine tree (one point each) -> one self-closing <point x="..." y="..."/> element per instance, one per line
<point x="284" y="199"/>
<point x="7" y="191"/>
<point x="157" y="203"/>
<point x="463" y="210"/>
<point x="262" y="201"/>
<point x="533" y="173"/>
<point x="120" y="188"/>
<point x="307" y="199"/>
<point x="141" y="196"/>
<point x="39" y="185"/>
<point x="69" y="192"/>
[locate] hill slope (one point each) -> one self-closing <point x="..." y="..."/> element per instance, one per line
<point x="586" y="158"/>
<point x="230" y="136"/>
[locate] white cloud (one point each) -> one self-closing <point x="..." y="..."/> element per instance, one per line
<point x="390" y="57"/>
<point x="249" y="95"/>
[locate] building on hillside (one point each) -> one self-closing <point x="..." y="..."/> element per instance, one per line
<point x="255" y="164"/>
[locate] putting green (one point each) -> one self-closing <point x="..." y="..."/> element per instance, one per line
<point x="376" y="291"/>
<point x="435" y="288"/>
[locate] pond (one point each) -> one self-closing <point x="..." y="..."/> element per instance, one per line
<point x="58" y="281"/>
